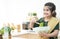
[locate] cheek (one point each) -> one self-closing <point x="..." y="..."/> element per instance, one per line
<point x="49" y="13"/>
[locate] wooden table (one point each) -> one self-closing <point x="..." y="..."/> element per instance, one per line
<point x="28" y="36"/>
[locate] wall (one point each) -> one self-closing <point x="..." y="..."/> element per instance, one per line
<point x="16" y="11"/>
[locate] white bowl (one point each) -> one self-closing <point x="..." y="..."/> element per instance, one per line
<point x="41" y="29"/>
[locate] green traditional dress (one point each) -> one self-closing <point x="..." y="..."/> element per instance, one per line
<point x="45" y="23"/>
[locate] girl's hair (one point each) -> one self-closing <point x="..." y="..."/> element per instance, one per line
<point x="52" y="8"/>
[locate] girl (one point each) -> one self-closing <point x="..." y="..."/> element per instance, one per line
<point x="49" y="19"/>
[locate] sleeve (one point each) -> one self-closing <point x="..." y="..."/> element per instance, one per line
<point x="37" y="25"/>
<point x="57" y="27"/>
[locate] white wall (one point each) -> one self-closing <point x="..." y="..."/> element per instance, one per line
<point x="15" y="11"/>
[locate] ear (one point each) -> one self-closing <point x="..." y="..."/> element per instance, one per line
<point x="53" y="12"/>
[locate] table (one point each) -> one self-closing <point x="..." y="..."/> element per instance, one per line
<point x="25" y="35"/>
<point x="28" y="36"/>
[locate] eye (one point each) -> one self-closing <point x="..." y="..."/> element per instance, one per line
<point x="47" y="9"/>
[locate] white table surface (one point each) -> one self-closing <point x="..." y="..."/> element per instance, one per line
<point x="14" y="33"/>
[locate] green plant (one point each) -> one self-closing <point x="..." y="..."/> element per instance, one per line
<point x="34" y="14"/>
<point x="2" y="31"/>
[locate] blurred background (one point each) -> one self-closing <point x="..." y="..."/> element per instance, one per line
<point x="16" y="11"/>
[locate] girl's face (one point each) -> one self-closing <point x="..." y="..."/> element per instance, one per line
<point x="47" y="12"/>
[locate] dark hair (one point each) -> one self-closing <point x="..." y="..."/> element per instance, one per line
<point x="52" y="8"/>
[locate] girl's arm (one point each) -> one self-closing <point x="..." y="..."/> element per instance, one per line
<point x="54" y="34"/>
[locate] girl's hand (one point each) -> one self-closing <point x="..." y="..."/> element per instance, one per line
<point x="41" y="34"/>
<point x="33" y="20"/>
<point x="44" y="34"/>
<point x="31" y="24"/>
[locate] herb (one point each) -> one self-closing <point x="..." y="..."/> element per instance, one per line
<point x="34" y="14"/>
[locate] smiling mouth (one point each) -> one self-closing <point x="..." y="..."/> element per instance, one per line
<point x="45" y="13"/>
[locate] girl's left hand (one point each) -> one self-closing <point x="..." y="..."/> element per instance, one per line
<point x="44" y="34"/>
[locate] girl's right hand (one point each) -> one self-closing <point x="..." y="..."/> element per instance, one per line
<point x="33" y="20"/>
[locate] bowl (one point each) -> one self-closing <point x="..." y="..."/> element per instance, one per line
<point x="41" y="29"/>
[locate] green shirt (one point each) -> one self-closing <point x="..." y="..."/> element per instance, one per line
<point x="45" y="24"/>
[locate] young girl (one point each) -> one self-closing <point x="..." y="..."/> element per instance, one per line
<point x="49" y="19"/>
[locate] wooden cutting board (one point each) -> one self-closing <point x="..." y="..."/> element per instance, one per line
<point x="28" y="36"/>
